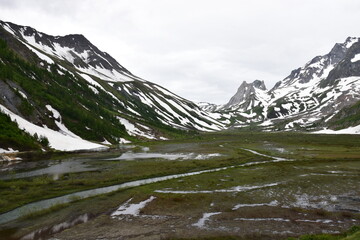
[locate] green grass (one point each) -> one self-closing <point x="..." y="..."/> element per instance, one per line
<point x="315" y="154"/>
<point x="352" y="234"/>
<point x="18" y="192"/>
<point x="12" y="136"/>
<point x="306" y="147"/>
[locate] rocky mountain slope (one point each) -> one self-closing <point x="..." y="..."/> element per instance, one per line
<point x="67" y="90"/>
<point x="66" y="94"/>
<point x="312" y="97"/>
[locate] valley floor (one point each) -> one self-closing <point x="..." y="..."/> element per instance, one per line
<point x="242" y="185"/>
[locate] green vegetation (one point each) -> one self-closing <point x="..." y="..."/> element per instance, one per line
<point x="315" y="157"/>
<point x="12" y="136"/>
<point x="352" y="234"/>
<point x="347" y="117"/>
<point x="306" y="147"/>
<point x="90" y="115"/>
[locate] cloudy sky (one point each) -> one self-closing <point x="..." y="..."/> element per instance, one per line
<point x="199" y="49"/>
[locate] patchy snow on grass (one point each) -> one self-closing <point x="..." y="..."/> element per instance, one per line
<point x="91" y="81"/>
<point x="10" y="150"/>
<point x="106" y="142"/>
<point x="94" y="89"/>
<point x="134" y="130"/>
<point x="64" y="141"/>
<point x="202" y="221"/>
<point x="55" y="113"/>
<point x="264" y="155"/>
<point x="350" y="130"/>
<point x="229" y="190"/>
<point x="58" y="121"/>
<point x="263" y="219"/>
<point x="40" y="55"/>
<point x="131" y="209"/>
<point x="174" y="156"/>
<point x="124" y="141"/>
<point x="106" y="74"/>
<point x="22" y="94"/>
<point x="271" y="204"/>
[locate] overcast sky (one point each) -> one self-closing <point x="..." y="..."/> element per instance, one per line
<point x="199" y="49"/>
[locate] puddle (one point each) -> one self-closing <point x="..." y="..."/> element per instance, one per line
<point x="230" y="190"/>
<point x="47" y="203"/>
<point x="264" y="155"/>
<point x="55" y="170"/>
<point x="167" y="156"/>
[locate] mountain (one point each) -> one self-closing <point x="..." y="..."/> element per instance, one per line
<point x="310" y="98"/>
<point x="64" y="89"/>
<point x="247" y="97"/>
<point x="62" y="92"/>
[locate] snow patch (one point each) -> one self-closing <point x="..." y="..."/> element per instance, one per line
<point x="124" y="141"/>
<point x="349" y="130"/>
<point x="10" y="150"/>
<point x="134" y="130"/>
<point x="263" y="219"/>
<point x="60" y="141"/>
<point x="271" y="204"/>
<point x="131" y="209"/>
<point x="204" y="219"/>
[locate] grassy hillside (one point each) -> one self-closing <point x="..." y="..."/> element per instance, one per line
<point x="12" y="136"/>
<point x="347" y="117"/>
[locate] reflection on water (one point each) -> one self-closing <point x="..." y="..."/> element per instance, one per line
<point x="54" y="169"/>
<point x="167" y="156"/>
<point x="47" y="203"/>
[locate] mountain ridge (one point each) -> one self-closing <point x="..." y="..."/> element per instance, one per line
<point x="308" y="95"/>
<point x="136" y="108"/>
<point x="65" y="89"/>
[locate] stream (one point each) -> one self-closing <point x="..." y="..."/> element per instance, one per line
<point x="47" y="203"/>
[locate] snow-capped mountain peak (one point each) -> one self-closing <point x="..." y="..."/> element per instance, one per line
<point x="310" y="94"/>
<point x="245" y="92"/>
<point x="98" y="86"/>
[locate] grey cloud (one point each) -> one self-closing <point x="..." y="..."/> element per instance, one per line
<point x="199" y="49"/>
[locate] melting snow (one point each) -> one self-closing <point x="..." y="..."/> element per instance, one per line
<point x="133" y="156"/>
<point x="271" y="204"/>
<point x="263" y="219"/>
<point x="40" y="55"/>
<point x="123" y="141"/>
<point x="230" y="190"/>
<point x="65" y="141"/>
<point x="131" y="209"/>
<point x="10" y="150"/>
<point x="135" y="131"/>
<point x="350" y="130"/>
<point x="356" y="58"/>
<point x="91" y="81"/>
<point x="204" y="219"/>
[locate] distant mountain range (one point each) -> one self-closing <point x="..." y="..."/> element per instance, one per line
<point x="67" y="94"/>
<point x="324" y="93"/>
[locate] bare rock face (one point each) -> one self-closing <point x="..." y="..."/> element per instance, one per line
<point x="245" y="92"/>
<point x="77" y="42"/>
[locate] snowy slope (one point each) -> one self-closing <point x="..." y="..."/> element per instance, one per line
<point x="64" y="141"/>
<point x="309" y="97"/>
<point x="144" y="107"/>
